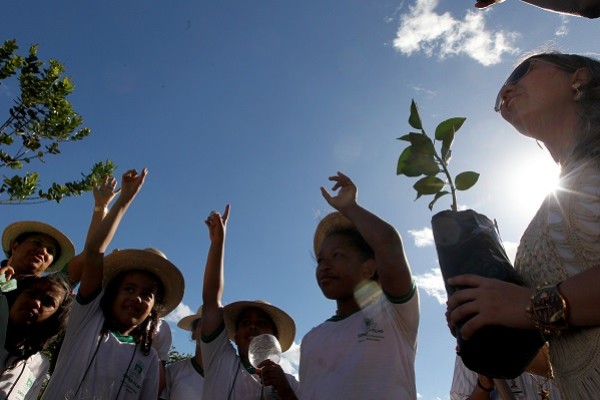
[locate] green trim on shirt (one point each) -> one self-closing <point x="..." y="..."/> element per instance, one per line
<point x="392" y="299"/>
<point x="214" y="335"/>
<point x="405" y="298"/>
<point x="123" y="338"/>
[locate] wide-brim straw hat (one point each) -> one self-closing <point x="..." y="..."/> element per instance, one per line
<point x="333" y="222"/>
<point x="286" y="327"/>
<point x="187" y="323"/>
<point x="148" y="260"/>
<point x="16" y="229"/>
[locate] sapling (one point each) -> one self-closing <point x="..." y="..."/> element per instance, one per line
<point x="467" y="243"/>
<point x="421" y="159"/>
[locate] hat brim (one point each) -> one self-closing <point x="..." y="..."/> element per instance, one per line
<point x="120" y="261"/>
<point x="330" y="223"/>
<point x="187" y="323"/>
<point x="16" y="229"/>
<point x="286" y="327"/>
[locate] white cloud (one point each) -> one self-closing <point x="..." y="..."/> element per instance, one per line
<point x="179" y="312"/>
<point x="424" y="30"/>
<point x="511" y="250"/>
<point x="422" y="238"/>
<point x="290" y="360"/>
<point x="432" y="283"/>
<point x="563" y="28"/>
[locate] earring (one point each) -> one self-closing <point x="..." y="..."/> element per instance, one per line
<point x="578" y="93"/>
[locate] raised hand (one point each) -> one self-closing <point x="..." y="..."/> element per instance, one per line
<point x="131" y="183"/>
<point x="105" y="191"/>
<point x="217" y="224"/>
<point x="346" y="194"/>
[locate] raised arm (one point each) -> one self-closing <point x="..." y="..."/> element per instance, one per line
<point x="103" y="195"/>
<point x="392" y="266"/>
<point x="213" y="284"/>
<point x="91" y="275"/>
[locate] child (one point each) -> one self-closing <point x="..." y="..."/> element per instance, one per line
<point x="104" y="193"/>
<point x="229" y="375"/>
<point x="107" y="351"/>
<point x="34" y="247"/>
<point x="38" y="312"/>
<point x="185" y="378"/>
<point x="367" y="349"/>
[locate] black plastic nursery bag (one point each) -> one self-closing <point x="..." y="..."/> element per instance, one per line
<point x="468" y="243"/>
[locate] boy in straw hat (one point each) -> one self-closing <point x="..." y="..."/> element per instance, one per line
<point x="367" y="349"/>
<point x="185" y="378"/>
<point x="33" y="247"/>
<point x="229" y="375"/>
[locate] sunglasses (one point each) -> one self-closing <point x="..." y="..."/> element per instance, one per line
<point x="514" y="77"/>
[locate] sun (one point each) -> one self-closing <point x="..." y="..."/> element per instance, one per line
<point x="532" y="181"/>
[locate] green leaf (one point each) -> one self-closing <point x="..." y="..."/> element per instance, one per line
<point x="465" y="180"/>
<point x="414" y="120"/>
<point x="415" y="161"/>
<point x="437" y="196"/>
<point x="448" y="128"/>
<point x="429" y="185"/>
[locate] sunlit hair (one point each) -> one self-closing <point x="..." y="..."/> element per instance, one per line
<point x="357" y="242"/>
<point x="144" y="332"/>
<point x="588" y="106"/>
<point x="38" y="336"/>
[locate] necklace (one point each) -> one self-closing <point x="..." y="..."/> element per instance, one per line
<point x="543" y="392"/>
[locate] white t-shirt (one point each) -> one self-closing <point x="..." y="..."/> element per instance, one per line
<point x="185" y="380"/>
<point x="225" y="374"/>
<point x="24" y="380"/>
<point x="367" y="355"/>
<point x="94" y="367"/>
<point x="161" y="342"/>
<point x="522" y="387"/>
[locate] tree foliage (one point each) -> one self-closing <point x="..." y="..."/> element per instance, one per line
<point x="175" y="356"/>
<point x="421" y="159"/>
<point x="39" y="121"/>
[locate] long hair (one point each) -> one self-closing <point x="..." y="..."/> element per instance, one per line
<point x="35" y="338"/>
<point x="588" y="106"/>
<point x="144" y="332"/>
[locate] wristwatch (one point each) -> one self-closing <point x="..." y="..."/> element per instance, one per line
<point x="548" y="310"/>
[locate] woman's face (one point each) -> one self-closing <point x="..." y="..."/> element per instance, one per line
<point x="36" y="304"/>
<point x="134" y="301"/>
<point x="534" y="103"/>
<point x="33" y="255"/>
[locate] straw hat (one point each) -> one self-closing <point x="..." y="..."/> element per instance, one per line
<point x="149" y="260"/>
<point x="286" y="328"/>
<point x="16" y="229"/>
<point x="187" y="323"/>
<point x="330" y="223"/>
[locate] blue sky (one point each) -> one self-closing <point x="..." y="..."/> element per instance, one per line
<point x="256" y="103"/>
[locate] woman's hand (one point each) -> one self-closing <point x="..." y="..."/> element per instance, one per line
<point x="486" y="301"/>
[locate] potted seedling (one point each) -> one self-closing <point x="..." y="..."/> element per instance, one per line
<point x="467" y="243"/>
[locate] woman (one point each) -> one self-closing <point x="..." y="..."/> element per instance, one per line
<point x="553" y="98"/>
